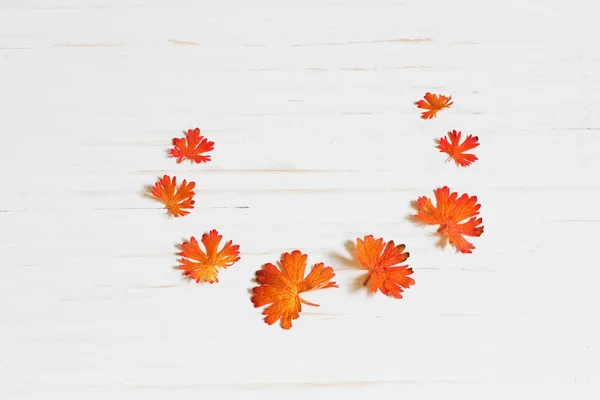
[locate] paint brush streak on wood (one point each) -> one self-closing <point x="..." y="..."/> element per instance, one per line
<point x="183" y="43"/>
<point x="401" y="40"/>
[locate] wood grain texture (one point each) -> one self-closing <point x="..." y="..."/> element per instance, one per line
<point x="317" y="142"/>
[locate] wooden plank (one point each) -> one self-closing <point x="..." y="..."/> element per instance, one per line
<point x="317" y="142"/>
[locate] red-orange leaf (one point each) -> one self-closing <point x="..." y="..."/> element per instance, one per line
<point x="450" y="213"/>
<point x="176" y="201"/>
<point x="191" y="147"/>
<point x="456" y="150"/>
<point x="205" y="266"/>
<point x="281" y="288"/>
<point x="433" y="103"/>
<point x="381" y="260"/>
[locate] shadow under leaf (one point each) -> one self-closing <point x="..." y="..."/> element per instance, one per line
<point x="359" y="284"/>
<point x="148" y="191"/>
<point x="351" y="261"/>
<point x="442" y="239"/>
<point x="411" y="217"/>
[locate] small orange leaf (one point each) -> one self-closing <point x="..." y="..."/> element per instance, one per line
<point x="381" y="260"/>
<point x="281" y="288"/>
<point x="450" y="213"/>
<point x="205" y="266"/>
<point x="456" y="150"/>
<point x="175" y="200"/>
<point x="191" y="147"/>
<point x="433" y="103"/>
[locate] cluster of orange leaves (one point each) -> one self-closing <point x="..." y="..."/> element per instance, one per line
<point x="456" y="216"/>
<point x="178" y="200"/>
<point x="434" y="103"/>
<point x="279" y="287"/>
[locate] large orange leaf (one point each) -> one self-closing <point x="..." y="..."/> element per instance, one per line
<point x="450" y="214"/>
<point x="381" y="260"/>
<point x="280" y="289"/>
<point x="192" y="147"/>
<point x="433" y="103"/>
<point x="456" y="150"/>
<point x="205" y="265"/>
<point x="175" y="200"/>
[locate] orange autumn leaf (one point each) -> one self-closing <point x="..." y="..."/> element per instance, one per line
<point x="456" y="150"/>
<point x="204" y="265"/>
<point x="381" y="260"/>
<point x="192" y="147"/>
<point x="450" y="213"/>
<point x="281" y="288"/>
<point x="175" y="200"/>
<point x="433" y="103"/>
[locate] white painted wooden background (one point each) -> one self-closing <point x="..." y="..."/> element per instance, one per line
<point x="317" y="142"/>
